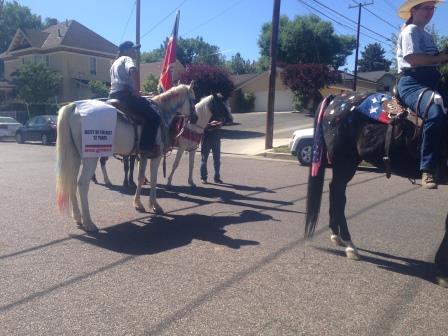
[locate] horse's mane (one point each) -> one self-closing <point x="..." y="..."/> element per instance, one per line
<point x="169" y="99"/>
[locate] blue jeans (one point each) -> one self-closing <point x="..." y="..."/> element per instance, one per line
<point x="143" y="107"/>
<point x="211" y="141"/>
<point x="409" y="88"/>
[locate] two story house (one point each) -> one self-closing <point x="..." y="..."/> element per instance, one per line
<point x="77" y="52"/>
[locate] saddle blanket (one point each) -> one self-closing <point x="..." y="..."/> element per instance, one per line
<point x="376" y="106"/>
<point x="98" y="125"/>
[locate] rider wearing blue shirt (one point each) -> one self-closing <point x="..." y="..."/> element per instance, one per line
<point x="418" y="59"/>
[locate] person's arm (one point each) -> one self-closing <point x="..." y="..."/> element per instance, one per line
<point x="424" y="59"/>
<point x="133" y="73"/>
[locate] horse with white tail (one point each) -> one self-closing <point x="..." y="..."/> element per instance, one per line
<point x="177" y="100"/>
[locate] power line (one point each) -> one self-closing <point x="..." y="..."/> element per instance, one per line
<point x="127" y="23"/>
<point x="347" y="18"/>
<point x="216" y="16"/>
<point x="167" y="16"/>
<point x="342" y="24"/>
<point x="380" y="18"/>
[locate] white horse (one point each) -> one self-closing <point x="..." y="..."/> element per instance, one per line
<point x="68" y="147"/>
<point x="205" y="109"/>
<point x="190" y="136"/>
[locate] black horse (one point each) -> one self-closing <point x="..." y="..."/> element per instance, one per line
<point x="345" y="135"/>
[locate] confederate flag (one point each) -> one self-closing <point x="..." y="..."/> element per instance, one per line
<point x="166" y="80"/>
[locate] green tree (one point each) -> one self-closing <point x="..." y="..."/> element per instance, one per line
<point x="150" y="84"/>
<point x="35" y="83"/>
<point x="238" y="65"/>
<point x="99" y="89"/>
<point x="188" y="51"/>
<point x="306" y="39"/>
<point x="372" y="59"/>
<point x="12" y="17"/>
<point x="152" y="56"/>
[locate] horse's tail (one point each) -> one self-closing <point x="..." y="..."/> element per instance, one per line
<point x="316" y="173"/>
<point x="66" y="158"/>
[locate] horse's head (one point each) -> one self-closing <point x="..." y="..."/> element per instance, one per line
<point x="177" y="100"/>
<point x="220" y="110"/>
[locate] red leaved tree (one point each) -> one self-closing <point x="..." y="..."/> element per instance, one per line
<point x="208" y="80"/>
<point x="305" y="80"/>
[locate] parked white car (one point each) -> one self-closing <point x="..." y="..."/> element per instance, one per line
<point x="301" y="145"/>
<point x="8" y="127"/>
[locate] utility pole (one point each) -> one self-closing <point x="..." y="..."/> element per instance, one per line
<point x="272" y="76"/>
<point x="359" y="5"/>
<point x="137" y="38"/>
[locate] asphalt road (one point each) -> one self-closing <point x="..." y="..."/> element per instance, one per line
<point x="224" y="259"/>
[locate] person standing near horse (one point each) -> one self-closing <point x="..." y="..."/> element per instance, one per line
<point x="418" y="60"/>
<point x="124" y="87"/>
<point x="211" y="141"/>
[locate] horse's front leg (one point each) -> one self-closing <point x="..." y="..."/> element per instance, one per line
<point x="442" y="259"/>
<point x="155" y="162"/>
<point x="343" y="172"/>
<point x="191" y="156"/>
<point x="88" y="168"/>
<point x="175" y="165"/>
<point x="140" y="180"/>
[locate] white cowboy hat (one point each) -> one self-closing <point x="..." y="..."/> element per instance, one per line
<point x="405" y="9"/>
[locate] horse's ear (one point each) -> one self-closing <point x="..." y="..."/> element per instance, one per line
<point x="192" y="84"/>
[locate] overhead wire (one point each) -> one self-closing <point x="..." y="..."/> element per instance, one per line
<point x="127" y="23"/>
<point x="162" y="20"/>
<point x="349" y="19"/>
<point x="342" y="24"/>
<point x="216" y="16"/>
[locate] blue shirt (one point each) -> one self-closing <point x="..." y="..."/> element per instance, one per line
<point x="414" y="40"/>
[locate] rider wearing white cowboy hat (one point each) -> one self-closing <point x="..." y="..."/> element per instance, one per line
<point x="418" y="59"/>
<point x="405" y="9"/>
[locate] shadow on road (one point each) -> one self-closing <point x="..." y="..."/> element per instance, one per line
<point x="411" y="267"/>
<point x="159" y="234"/>
<point x="238" y="134"/>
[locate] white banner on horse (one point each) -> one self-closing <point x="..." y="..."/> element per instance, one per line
<point x="98" y="121"/>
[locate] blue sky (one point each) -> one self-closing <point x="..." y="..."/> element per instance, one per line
<point x="232" y="25"/>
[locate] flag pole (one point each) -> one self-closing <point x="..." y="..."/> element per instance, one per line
<point x="137" y="39"/>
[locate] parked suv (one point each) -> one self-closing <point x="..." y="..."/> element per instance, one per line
<point x="40" y="128"/>
<point x="301" y="145"/>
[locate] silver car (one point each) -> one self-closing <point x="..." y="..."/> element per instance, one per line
<point x="8" y="127"/>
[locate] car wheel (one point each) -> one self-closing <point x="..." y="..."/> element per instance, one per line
<point x="19" y="138"/>
<point x="44" y="140"/>
<point x="305" y="152"/>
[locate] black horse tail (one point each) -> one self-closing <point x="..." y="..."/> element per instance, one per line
<point x="316" y="173"/>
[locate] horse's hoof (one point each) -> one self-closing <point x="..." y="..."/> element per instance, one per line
<point x="158" y="210"/>
<point x="352" y="253"/>
<point x="132" y="184"/>
<point x="442" y="281"/>
<point x="89" y="227"/>
<point x="336" y="240"/>
<point x="140" y="208"/>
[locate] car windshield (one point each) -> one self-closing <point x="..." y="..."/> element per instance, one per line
<point x="7" y="120"/>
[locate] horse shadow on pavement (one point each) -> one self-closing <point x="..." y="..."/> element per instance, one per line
<point x="163" y="233"/>
<point x="207" y="195"/>
<point x="406" y="266"/>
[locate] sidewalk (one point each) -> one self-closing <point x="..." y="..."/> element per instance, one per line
<point x="255" y="147"/>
